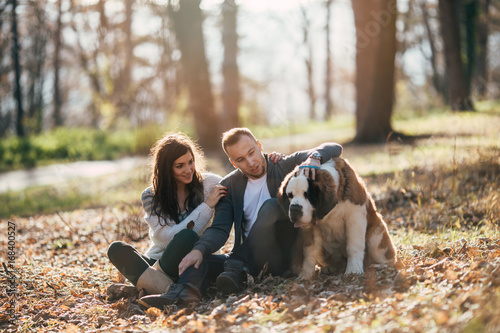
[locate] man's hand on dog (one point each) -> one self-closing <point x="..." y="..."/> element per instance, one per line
<point x="309" y="172"/>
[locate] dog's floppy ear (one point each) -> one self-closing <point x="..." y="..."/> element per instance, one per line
<point x="322" y="193"/>
<point x="282" y="197"/>
<point x="354" y="189"/>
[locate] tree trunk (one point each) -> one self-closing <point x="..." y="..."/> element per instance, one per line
<point x="437" y="79"/>
<point x="328" y="78"/>
<point x="35" y="58"/>
<point x="122" y="95"/>
<point x="470" y="15"/>
<point x="308" y="60"/>
<point x="458" y="92"/>
<point x="187" y="22"/>
<point x="57" y="116"/>
<point x="18" y="96"/>
<point x="481" y="74"/>
<point x="376" y="49"/>
<point x="230" y="72"/>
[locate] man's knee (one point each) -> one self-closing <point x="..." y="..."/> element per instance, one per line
<point x="271" y="207"/>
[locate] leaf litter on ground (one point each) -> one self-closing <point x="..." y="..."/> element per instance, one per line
<point x="444" y="220"/>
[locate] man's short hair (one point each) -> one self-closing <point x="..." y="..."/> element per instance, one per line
<point x="233" y="135"/>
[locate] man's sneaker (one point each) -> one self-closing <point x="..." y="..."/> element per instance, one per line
<point x="233" y="279"/>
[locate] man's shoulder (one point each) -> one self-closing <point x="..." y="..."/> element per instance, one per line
<point x="234" y="175"/>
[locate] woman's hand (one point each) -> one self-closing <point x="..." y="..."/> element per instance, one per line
<point x="217" y="192"/>
<point x="276" y="157"/>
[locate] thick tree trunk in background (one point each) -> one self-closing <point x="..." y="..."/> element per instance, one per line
<point x="231" y="86"/>
<point x="308" y="60"/>
<point x="375" y="22"/>
<point x="187" y="23"/>
<point x="18" y="96"/>
<point x="57" y="116"/>
<point x="481" y="74"/>
<point x="458" y="92"/>
<point x="328" y="78"/>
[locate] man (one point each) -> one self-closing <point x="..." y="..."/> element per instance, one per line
<point x="263" y="232"/>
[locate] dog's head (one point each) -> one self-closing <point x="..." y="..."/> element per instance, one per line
<point x="307" y="200"/>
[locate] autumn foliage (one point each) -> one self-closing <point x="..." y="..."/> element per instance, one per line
<point x="443" y="217"/>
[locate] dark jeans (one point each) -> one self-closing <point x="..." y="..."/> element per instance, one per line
<point x="132" y="264"/>
<point x="272" y="239"/>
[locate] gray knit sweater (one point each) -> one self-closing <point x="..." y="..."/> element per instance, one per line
<point x="162" y="234"/>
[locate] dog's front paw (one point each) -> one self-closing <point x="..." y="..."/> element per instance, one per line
<point x="354" y="268"/>
<point x="305" y="275"/>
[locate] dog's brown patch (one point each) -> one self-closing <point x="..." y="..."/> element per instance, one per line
<point x="351" y="186"/>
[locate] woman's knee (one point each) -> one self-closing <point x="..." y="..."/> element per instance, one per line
<point x="186" y="236"/>
<point x="116" y="248"/>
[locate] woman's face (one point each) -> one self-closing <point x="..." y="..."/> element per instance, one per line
<point x="183" y="169"/>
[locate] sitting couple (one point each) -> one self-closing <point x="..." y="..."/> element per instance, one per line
<point x="180" y="203"/>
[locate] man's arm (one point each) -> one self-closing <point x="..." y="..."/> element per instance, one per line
<point x="326" y="151"/>
<point x="218" y="233"/>
<point x="321" y="154"/>
<point x="214" y="236"/>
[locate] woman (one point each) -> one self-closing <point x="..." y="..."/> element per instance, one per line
<point x="179" y="205"/>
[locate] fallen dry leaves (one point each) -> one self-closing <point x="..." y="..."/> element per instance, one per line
<point x="442" y="283"/>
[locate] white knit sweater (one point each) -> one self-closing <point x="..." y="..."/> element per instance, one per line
<point x="162" y="234"/>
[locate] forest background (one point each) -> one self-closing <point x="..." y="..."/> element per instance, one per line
<point x="410" y="88"/>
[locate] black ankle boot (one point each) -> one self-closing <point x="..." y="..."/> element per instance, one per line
<point x="181" y="294"/>
<point x="233" y="279"/>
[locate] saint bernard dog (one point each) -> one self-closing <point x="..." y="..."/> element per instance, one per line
<point x="341" y="228"/>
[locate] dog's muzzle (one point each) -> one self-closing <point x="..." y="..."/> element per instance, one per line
<point x="295" y="212"/>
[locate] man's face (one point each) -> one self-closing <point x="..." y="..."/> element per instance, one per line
<point x="246" y="155"/>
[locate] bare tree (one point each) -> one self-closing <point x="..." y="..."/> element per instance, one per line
<point x="35" y="61"/>
<point x="470" y="10"/>
<point x="168" y="68"/>
<point x="5" y="111"/>
<point x="57" y="115"/>
<point x="437" y="78"/>
<point x="308" y="61"/>
<point x="187" y="23"/>
<point x="230" y="71"/>
<point x="458" y="91"/>
<point x="328" y="78"/>
<point x="18" y="95"/>
<point x="375" y="53"/>
<point x="481" y="74"/>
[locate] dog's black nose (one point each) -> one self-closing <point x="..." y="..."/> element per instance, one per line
<point x="295" y="212"/>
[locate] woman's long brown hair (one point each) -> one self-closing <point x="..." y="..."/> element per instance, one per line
<point x="164" y="152"/>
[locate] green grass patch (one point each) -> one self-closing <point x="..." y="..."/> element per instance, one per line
<point x="78" y="194"/>
<point x="76" y="144"/>
<point x="43" y="200"/>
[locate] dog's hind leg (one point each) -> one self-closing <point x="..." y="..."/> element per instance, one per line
<point x="380" y="246"/>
